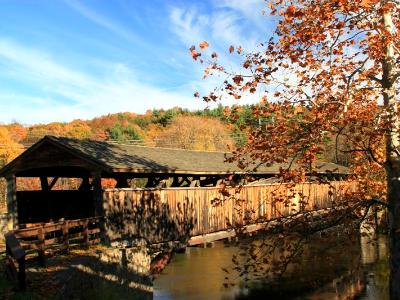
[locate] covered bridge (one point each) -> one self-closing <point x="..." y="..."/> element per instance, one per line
<point x="90" y="161"/>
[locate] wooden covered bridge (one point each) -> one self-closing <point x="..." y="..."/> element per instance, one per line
<point x="180" y="190"/>
<point x="180" y="198"/>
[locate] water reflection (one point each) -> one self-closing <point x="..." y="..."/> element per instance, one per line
<point x="336" y="267"/>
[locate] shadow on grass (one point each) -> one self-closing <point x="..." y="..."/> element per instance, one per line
<point x="78" y="275"/>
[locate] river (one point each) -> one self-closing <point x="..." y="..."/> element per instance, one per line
<point x="337" y="267"/>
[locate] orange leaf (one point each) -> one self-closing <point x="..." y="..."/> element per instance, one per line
<point x="203" y="45"/>
<point x="290" y="11"/>
<point x="367" y="3"/>
<point x="195" y="54"/>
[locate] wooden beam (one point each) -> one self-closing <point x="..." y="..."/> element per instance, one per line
<point x="53" y="182"/>
<point x="209" y="181"/>
<point x="44" y="183"/>
<point x="177" y="181"/>
<point x="150" y="182"/>
<point x="195" y="182"/>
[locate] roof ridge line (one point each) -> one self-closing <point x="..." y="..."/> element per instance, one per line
<point x="168" y="148"/>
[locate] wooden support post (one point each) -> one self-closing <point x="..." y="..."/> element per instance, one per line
<point x="65" y="231"/>
<point x="85" y="185"/>
<point x="12" y="208"/>
<point x="97" y="194"/>
<point x="86" y="234"/>
<point x="99" y="203"/>
<point x="41" y="246"/>
<point x="122" y="182"/>
<point x="150" y="182"/>
<point x="204" y="245"/>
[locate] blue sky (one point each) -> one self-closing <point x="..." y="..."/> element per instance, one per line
<point x="65" y="60"/>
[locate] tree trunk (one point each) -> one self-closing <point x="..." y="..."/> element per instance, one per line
<point x="393" y="175"/>
<point x="392" y="161"/>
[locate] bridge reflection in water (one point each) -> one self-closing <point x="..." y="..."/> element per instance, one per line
<point x="333" y="268"/>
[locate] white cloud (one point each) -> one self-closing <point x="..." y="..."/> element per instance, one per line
<point x="251" y="10"/>
<point x="230" y="22"/>
<point x="88" y="95"/>
<point x="103" y="21"/>
<point x="226" y="24"/>
<point x="188" y="25"/>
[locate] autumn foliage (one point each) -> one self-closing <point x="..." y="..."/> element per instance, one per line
<point x="196" y="133"/>
<point x="328" y="80"/>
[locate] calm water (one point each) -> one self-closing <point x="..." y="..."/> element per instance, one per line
<point x="328" y="269"/>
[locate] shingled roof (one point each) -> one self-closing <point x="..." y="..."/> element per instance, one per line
<point x="120" y="158"/>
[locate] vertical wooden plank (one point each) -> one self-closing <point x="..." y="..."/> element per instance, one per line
<point x="205" y="210"/>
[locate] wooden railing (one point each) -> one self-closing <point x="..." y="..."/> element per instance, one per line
<point x="15" y="260"/>
<point x="41" y="235"/>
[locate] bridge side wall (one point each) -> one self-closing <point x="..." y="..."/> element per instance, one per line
<point x="160" y="215"/>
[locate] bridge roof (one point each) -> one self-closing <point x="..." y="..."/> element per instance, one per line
<point x="60" y="152"/>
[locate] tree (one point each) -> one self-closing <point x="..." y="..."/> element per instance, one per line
<point x="8" y="148"/>
<point x="330" y="70"/>
<point x="77" y="129"/>
<point x="195" y="133"/>
<point x="124" y="133"/>
<point x="8" y="151"/>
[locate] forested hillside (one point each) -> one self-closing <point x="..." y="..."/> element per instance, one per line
<point x="198" y="130"/>
<point x="218" y="129"/>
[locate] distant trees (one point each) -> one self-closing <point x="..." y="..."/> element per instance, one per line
<point x="9" y="149"/>
<point x="153" y="128"/>
<point x="78" y="129"/>
<point x="147" y="128"/>
<point x="196" y="133"/>
<point x="124" y="133"/>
